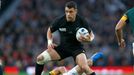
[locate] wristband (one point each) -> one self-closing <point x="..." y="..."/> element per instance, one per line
<point x="49" y="42"/>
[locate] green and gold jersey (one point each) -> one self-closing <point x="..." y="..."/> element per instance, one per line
<point x="129" y="18"/>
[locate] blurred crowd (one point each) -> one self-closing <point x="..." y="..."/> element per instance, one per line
<point x="23" y="37"/>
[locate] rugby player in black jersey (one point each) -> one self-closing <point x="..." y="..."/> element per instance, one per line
<point x="67" y="25"/>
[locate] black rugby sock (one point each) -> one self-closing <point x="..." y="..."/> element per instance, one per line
<point x="93" y="73"/>
<point x="1" y="70"/>
<point x="38" y="69"/>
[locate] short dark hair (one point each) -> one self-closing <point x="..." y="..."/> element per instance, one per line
<point x="71" y="4"/>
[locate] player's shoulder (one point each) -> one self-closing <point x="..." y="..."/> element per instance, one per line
<point x="84" y="23"/>
<point x="60" y="18"/>
<point x="81" y="19"/>
<point x="130" y="11"/>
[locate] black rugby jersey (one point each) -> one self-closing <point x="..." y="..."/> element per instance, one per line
<point x="68" y="30"/>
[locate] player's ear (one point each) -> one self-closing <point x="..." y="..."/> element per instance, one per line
<point x="76" y="10"/>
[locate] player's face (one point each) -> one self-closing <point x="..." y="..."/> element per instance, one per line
<point x="70" y="14"/>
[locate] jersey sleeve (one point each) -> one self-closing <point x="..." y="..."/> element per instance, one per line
<point x="54" y="26"/>
<point x="124" y="18"/>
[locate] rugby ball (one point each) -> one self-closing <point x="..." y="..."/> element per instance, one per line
<point x="81" y="32"/>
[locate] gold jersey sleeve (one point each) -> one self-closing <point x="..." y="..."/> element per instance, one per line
<point x="124" y="17"/>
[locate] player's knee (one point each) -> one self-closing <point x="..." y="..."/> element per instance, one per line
<point x="43" y="58"/>
<point x="84" y="67"/>
<point x="90" y="62"/>
<point x="39" y="58"/>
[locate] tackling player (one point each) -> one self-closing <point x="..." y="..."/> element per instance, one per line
<point x="76" y="70"/>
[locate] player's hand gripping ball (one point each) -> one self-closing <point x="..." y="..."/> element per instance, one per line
<point x="81" y="32"/>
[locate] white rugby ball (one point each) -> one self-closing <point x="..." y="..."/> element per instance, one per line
<point x="81" y="31"/>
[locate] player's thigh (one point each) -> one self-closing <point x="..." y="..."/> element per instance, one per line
<point x="81" y="59"/>
<point x="48" y="55"/>
<point x="54" y="55"/>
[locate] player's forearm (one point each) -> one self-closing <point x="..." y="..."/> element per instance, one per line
<point x="119" y="35"/>
<point x="90" y="37"/>
<point x="49" y="34"/>
<point x="118" y="30"/>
